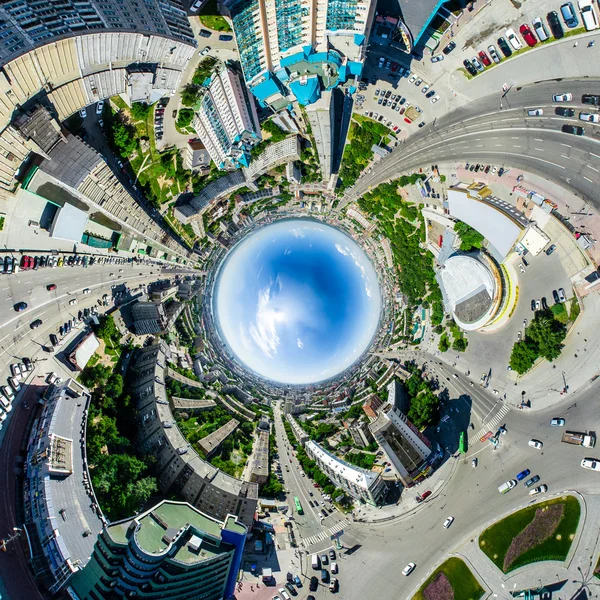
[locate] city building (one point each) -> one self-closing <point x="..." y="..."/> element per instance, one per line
<point x="226" y="120"/>
<point x="259" y="466"/>
<point x="179" y="468"/>
<point x="279" y="153"/>
<point x="415" y="20"/>
<point x="398" y="396"/>
<point x="294" y="406"/>
<point x="361" y="484"/>
<point x="371" y="406"/>
<point x="155" y="317"/>
<point x="59" y="502"/>
<point x="83" y="351"/>
<point x="298" y="432"/>
<point x="321" y="116"/>
<point x="212" y="442"/>
<point x="161" y="292"/>
<point x="405" y="446"/>
<point x="356" y="215"/>
<point x="195" y="156"/>
<point x="360" y="433"/>
<point x="293" y="50"/>
<point x="171" y="551"/>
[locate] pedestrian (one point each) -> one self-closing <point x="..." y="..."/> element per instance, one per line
<point x="575" y="44"/>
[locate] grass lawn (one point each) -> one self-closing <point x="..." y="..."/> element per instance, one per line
<point x="210" y="17"/>
<point x="495" y="541"/>
<point x="463" y="582"/>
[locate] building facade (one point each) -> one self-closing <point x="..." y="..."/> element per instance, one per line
<point x="360" y="433"/>
<point x="321" y="116"/>
<point x="179" y="468"/>
<point x="298" y="432"/>
<point x="292" y="50"/>
<point x="403" y="444"/>
<point x="154" y="317"/>
<point x="371" y="406"/>
<point x="361" y="484"/>
<point x="172" y="550"/>
<point x="226" y="120"/>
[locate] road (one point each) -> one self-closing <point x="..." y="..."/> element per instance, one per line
<point x="497" y="129"/>
<point x="375" y="553"/>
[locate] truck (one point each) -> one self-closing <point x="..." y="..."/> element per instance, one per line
<point x="579" y="438"/>
<point x="507" y="486"/>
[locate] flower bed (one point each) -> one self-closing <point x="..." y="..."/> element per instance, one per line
<point x="452" y="580"/>
<point x="536" y="533"/>
<point x="544" y="524"/>
<point x="439" y="589"/>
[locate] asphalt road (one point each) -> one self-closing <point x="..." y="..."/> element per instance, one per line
<point x="497" y="130"/>
<point x="375" y="554"/>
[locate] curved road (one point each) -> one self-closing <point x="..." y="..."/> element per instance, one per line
<point x="497" y="129"/>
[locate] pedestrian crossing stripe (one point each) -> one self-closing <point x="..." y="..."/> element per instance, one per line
<point x="325" y="535"/>
<point x="490" y="425"/>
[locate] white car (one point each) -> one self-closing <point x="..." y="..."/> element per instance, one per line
<point x="14" y="383"/>
<point x="448" y="522"/>
<point x="83" y="113"/>
<point x="562" y="97"/>
<point x="515" y="42"/>
<point x="535" y="112"/>
<point x="204" y="51"/>
<point x="194" y="7"/>
<point x="73" y="301"/>
<point x="591" y="463"/>
<point x="52" y="377"/>
<point x="100" y="107"/>
<point x="86" y="291"/>
<point x="521" y="268"/>
<point x="538" y="490"/>
<point x="588" y="14"/>
<point x="408" y="569"/>
<point x="589" y="117"/>
<point x="334" y="568"/>
<point x="535" y="444"/>
<point x="434" y="99"/>
<point x="540" y="29"/>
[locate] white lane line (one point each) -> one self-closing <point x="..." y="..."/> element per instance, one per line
<point x="592" y="168"/>
<point x="539" y="149"/>
<point x="588" y="179"/>
<point x="564" y="156"/>
<point x="537" y="140"/>
<point x="515" y="138"/>
<point x="498" y="145"/>
<point x="516" y="146"/>
<point x="565" y="145"/>
<point x="592" y="154"/>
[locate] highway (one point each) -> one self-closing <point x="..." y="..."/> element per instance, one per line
<point x="498" y="130"/>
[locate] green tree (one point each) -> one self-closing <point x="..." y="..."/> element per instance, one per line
<point x="184" y="117"/>
<point x="114" y="386"/>
<point x="444" y="344"/>
<point x="123" y="138"/>
<point x="190" y="94"/>
<point x="547" y="333"/>
<point x="523" y="355"/>
<point x="107" y="330"/>
<point x="424" y="409"/>
<point x="469" y="238"/>
<point x="140" y="111"/>
<point x="460" y="344"/>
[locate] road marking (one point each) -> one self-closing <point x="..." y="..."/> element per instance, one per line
<point x="539" y="149"/>
<point x="592" y="168"/>
<point x="566" y="145"/>
<point x="537" y="140"/>
<point x="564" y="156"/>
<point x="587" y="179"/>
<point x="498" y="145"/>
<point x="515" y="138"/>
<point x="594" y="155"/>
<point x="515" y="146"/>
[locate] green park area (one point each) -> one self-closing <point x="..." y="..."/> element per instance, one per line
<point x="540" y="532"/>
<point x="452" y="580"/>
<point x="209" y="17"/>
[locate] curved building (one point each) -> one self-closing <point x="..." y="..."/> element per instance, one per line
<point x="472" y="292"/>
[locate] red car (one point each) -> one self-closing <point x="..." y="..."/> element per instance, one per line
<point x="407" y="120"/>
<point x="485" y="59"/>
<point x="528" y="35"/>
<point x="394" y="67"/>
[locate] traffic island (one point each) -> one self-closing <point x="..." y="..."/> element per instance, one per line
<point x="452" y="580"/>
<point x="541" y="532"/>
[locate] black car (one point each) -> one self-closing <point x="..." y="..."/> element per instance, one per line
<point x="429" y="94"/>
<point x="27" y="363"/>
<point x="573" y="129"/>
<point x="449" y="48"/>
<point x="531" y="481"/>
<point x="314" y="584"/>
<point x="225" y="38"/>
<point x="205" y="33"/>
<point x="19" y="306"/>
<point x="564" y="112"/>
<point x="61" y="330"/>
<point x="332" y="554"/>
<point x="550" y="250"/>
<point x="291" y="589"/>
<point x="555" y="25"/>
<point x="500" y="171"/>
<point x="504" y="47"/>
<point x="555" y="296"/>
<point x="533" y="305"/>
<point x="544" y="303"/>
<point x="592" y="99"/>
<point x="470" y="67"/>
<point x="472" y="168"/>
<point x="36" y="262"/>
<point x="35" y="324"/>
<point x="53" y="339"/>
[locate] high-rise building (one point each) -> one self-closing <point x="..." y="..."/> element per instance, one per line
<point x="404" y="445"/>
<point x="371" y="406"/>
<point x="360" y="433"/>
<point x="294" y="49"/>
<point x="226" y="120"/>
<point x="398" y="396"/>
<point x="27" y="24"/>
<point x="321" y="117"/>
<point x="171" y="551"/>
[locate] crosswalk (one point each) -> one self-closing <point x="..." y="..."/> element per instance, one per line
<point x="325" y="535"/>
<point x="490" y="425"/>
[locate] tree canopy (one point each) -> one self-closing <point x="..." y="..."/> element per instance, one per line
<point x="469" y="238"/>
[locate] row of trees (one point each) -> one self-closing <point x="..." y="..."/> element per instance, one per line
<point x="424" y="403"/>
<point x="543" y="338"/>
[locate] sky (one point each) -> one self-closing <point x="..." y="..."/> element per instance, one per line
<point x="297" y="301"/>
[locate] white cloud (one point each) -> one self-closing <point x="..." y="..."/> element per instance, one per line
<point x="342" y="250"/>
<point x="300" y="343"/>
<point x="287" y="252"/>
<point x="264" y="330"/>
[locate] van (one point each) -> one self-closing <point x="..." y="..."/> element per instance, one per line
<point x="588" y="14"/>
<point x="283" y="594"/>
<point x="507" y="486"/>
<point x="316" y="561"/>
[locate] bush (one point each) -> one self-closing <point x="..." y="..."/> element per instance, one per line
<point x="190" y="94"/>
<point x="184" y="117"/>
<point x="140" y="111"/>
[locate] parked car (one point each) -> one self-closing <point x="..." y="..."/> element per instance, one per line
<point x="535" y="112"/>
<point x="591" y="463"/>
<point x="225" y="38"/>
<point x="555" y="26"/>
<point x="588" y="14"/>
<point x="477" y="64"/>
<point x="515" y="42"/>
<point x="561" y="294"/>
<point x="20" y="306"/>
<point x="573" y="129"/>
<point x="448" y="522"/>
<point x="494" y="54"/>
<point x="523" y="474"/>
<point x="540" y="29"/>
<point x="194" y="7"/>
<point x="532" y="481"/>
<point x="569" y="15"/>
<point x="100" y="107"/>
<point x="528" y="35"/>
<point x="557" y="422"/>
<point x="504" y="47"/>
<point x="535" y="444"/>
<point x="205" y="33"/>
<point x="469" y="67"/>
<point x="35" y="324"/>
<point x="592" y="99"/>
<point x="590" y="118"/>
<point x="565" y="97"/>
<point x="538" y="490"/>
<point x="449" y="48"/>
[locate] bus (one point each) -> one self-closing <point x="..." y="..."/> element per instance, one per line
<point x="298" y="505"/>
<point x="462" y="443"/>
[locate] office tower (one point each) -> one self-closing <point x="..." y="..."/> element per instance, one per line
<point x="294" y="49"/>
<point x="226" y="119"/>
<point x="320" y="115"/>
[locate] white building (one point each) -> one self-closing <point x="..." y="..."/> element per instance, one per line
<point x="320" y="115"/>
<point x="298" y="432"/>
<point x="361" y="484"/>
<point x="293" y="49"/>
<point x="226" y="119"/>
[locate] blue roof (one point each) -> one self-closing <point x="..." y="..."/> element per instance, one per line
<point x="355" y="68"/>
<point x="266" y="88"/>
<point x="359" y="39"/>
<point x="244" y="159"/>
<point x="309" y="92"/>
